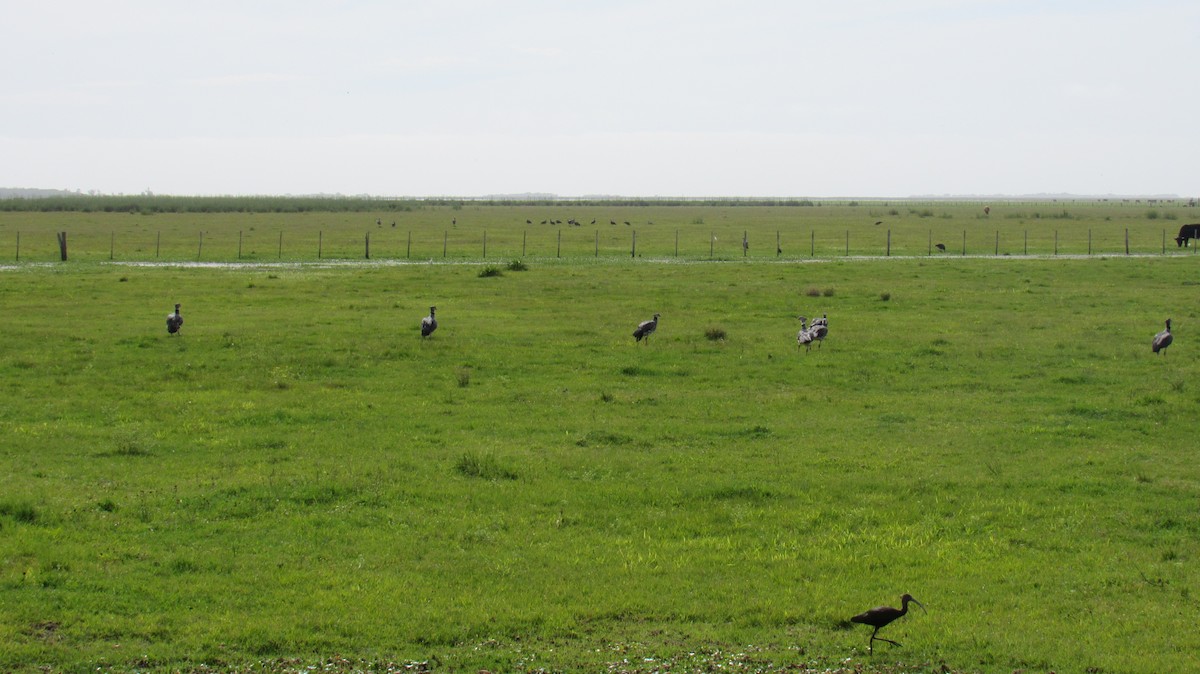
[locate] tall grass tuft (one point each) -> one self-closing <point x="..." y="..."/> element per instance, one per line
<point x="482" y="466"/>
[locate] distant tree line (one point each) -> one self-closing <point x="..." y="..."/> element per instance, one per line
<point x="149" y="203"/>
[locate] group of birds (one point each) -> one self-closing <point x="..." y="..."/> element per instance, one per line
<point x="812" y="333"/>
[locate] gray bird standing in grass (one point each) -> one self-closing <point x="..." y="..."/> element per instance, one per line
<point x="645" y="329"/>
<point x="1163" y="339"/>
<point x="805" y="336"/>
<point x="819" y="329"/>
<point x="429" y="323"/>
<point x="175" y="321"/>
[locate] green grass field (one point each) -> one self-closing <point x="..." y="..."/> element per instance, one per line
<point x="298" y="481"/>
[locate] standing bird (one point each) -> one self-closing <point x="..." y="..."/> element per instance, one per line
<point x="645" y="329"/>
<point x="804" y="337"/>
<point x="819" y="329"/>
<point x="941" y="247"/>
<point x="882" y="616"/>
<point x="429" y="323"/>
<point x="1161" y="341"/>
<point x="175" y="321"/>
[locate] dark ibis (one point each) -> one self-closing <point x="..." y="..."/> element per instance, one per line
<point x="429" y="323"/>
<point x="882" y="616"/>
<point x="940" y="246"/>
<point x="1161" y="341"/>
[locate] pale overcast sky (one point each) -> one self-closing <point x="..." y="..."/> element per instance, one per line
<point x="624" y="97"/>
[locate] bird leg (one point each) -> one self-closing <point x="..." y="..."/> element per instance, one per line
<point x="874" y="638"/>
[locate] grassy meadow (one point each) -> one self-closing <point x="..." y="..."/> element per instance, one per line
<point x="298" y="481"/>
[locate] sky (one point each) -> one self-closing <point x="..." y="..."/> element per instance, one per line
<point x="646" y="98"/>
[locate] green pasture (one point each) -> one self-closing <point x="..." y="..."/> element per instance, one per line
<point x="470" y="231"/>
<point x="298" y="481"/>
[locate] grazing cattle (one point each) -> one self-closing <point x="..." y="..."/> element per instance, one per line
<point x="1186" y="233"/>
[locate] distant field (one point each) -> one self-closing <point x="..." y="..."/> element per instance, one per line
<point x="471" y="231"/>
<point x="298" y="481"/>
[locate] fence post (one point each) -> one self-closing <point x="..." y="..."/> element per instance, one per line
<point x="597" y="242"/>
<point x="677" y="243"/>
<point x="633" y="249"/>
<point x="1027" y="242"/>
<point x="200" y="247"/>
<point x="847" y="243"/>
<point x="1089" y="241"/>
<point x="964" y="243"/>
<point x="320" y="242"/>
<point x="157" y="242"/>
<point x="888" y="253"/>
<point x="1126" y="240"/>
<point x="112" y="244"/>
<point x="280" y="251"/>
<point x="997" y="243"/>
<point x="240" y="245"/>
<point x="367" y="243"/>
<point x="62" y="245"/>
<point x="485" y="244"/>
<point x="930" y="250"/>
<point x="1056" y="242"/>
<point x="712" y="238"/>
<point x="812" y="244"/>
<point x="19" y="246"/>
<point x="524" y="234"/>
<point x="559" y="251"/>
<point x="445" y="241"/>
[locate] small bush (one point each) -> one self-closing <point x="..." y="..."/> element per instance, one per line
<point x="1152" y="215"/>
<point x="715" y="334"/>
<point x="518" y="265"/>
<point x="828" y="292"/>
<point x="885" y="296"/>
<point x="490" y="271"/>
<point x="19" y="511"/>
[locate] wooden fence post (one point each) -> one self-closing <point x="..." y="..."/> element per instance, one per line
<point x="633" y="248"/>
<point x="280" y="252"/>
<point x="367" y="244"/>
<point x="112" y="244"/>
<point x="62" y="245"/>
<point x="320" y="243"/>
<point x="200" y="247"/>
<point x="240" y="245"/>
<point x="888" y="252"/>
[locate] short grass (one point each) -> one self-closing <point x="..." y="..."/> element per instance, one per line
<point x="299" y="480"/>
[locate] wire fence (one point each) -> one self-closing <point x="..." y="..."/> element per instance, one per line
<point x="575" y="242"/>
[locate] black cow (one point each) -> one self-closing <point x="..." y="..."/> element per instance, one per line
<point x="1187" y="232"/>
